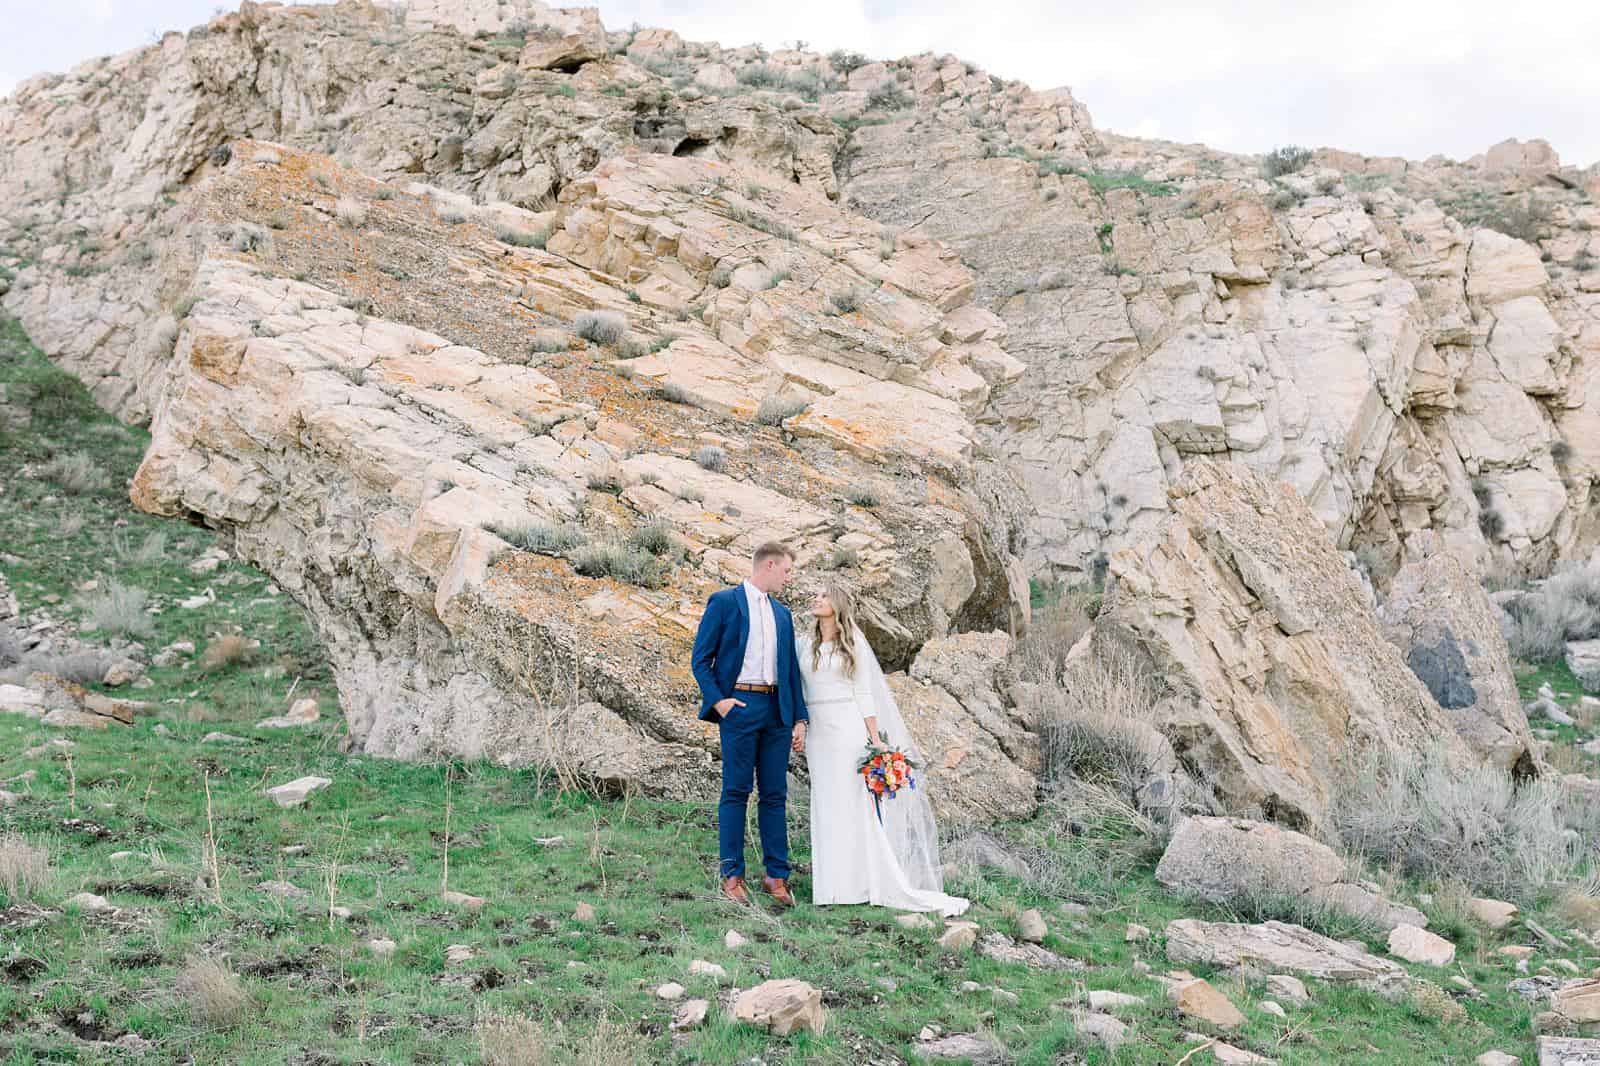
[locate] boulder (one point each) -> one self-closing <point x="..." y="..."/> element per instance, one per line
<point x="1031" y="926"/>
<point x="1223" y="859"/>
<point x="691" y="1014"/>
<point x="1245" y="607"/>
<point x="1288" y="987"/>
<point x="1418" y="945"/>
<point x="782" y="1007"/>
<point x="978" y="1049"/>
<point x="1439" y="617"/>
<point x="1274" y="946"/>
<point x="1110" y="1033"/>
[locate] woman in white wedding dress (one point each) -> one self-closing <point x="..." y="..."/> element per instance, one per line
<point x="855" y="856"/>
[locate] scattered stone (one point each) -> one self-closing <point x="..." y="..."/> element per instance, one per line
<point x="1075" y="910"/>
<point x="222" y="738"/>
<point x="1198" y="999"/>
<point x="1578" y="1000"/>
<point x="1276" y="946"/>
<point x="583" y="912"/>
<point x="382" y="947"/>
<point x="914" y="921"/>
<point x="1236" y="1056"/>
<point x="550" y="842"/>
<point x="295" y="792"/>
<point x="1031" y="927"/>
<point x="702" y="968"/>
<point x="1494" y="913"/>
<point x="283" y="889"/>
<point x="782" y="1007"/>
<point x="1545" y="707"/>
<point x="979" y="1049"/>
<point x="1101" y="1000"/>
<point x="344" y="914"/>
<point x="672" y="991"/>
<point x="302" y="713"/>
<point x="1420" y="946"/>
<point x="690" y="1015"/>
<point x="1534" y="989"/>
<point x="463" y="900"/>
<point x="1462" y="983"/>
<point x="122" y="672"/>
<point x="733" y="940"/>
<point x="90" y="903"/>
<point x="1497" y="1058"/>
<point x="960" y="936"/>
<point x="1517" y="951"/>
<point x="1135" y="933"/>
<point x="1103" y="1029"/>
<point x="1566" y="965"/>
<point x="1272" y="1007"/>
<point x="160" y="729"/>
<point x="456" y="954"/>
<point x="295" y="849"/>
<point x="123" y="856"/>
<point x="1001" y="948"/>
<point x="9" y="799"/>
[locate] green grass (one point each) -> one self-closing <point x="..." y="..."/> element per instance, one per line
<point x="319" y="995"/>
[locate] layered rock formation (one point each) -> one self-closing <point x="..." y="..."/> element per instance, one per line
<point x="377" y="392"/>
<point x="1279" y="670"/>
<point x="1028" y="361"/>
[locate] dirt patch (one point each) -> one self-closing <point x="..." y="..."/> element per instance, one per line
<point x="146" y="889"/>
<point x="138" y="960"/>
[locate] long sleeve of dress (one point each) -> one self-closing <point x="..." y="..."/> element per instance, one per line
<point x="861" y="682"/>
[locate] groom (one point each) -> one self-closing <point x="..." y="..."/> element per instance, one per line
<point x="749" y="681"/>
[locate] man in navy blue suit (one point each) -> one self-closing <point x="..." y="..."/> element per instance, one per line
<point x="744" y="660"/>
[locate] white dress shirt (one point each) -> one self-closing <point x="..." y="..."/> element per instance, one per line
<point x="761" y="650"/>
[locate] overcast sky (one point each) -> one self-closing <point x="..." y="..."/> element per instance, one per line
<point x="1385" y="77"/>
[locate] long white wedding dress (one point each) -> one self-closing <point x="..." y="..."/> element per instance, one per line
<point x="855" y="857"/>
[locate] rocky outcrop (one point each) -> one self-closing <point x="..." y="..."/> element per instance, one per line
<point x="1444" y="624"/>
<point x="1278" y="668"/>
<point x="379" y="436"/>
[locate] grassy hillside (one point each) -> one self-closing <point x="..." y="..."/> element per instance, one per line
<point x="142" y="815"/>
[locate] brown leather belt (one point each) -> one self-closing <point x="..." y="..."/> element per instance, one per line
<point x="756" y="688"/>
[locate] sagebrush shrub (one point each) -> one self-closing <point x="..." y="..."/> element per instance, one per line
<point x="76" y="473"/>
<point x="1285" y="160"/>
<point x="775" y="409"/>
<point x="1427" y="819"/>
<point x="119" y="608"/>
<point x="1098" y="721"/>
<point x="601" y="327"/>
<point x="542" y="537"/>
<point x="620" y="561"/>
<point x="1058" y="624"/>
<point x="1565" y="608"/>
<point x="711" y="457"/>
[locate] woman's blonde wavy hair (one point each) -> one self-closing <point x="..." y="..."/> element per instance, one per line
<point x="844" y="613"/>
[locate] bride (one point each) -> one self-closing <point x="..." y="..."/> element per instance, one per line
<point x="855" y="856"/>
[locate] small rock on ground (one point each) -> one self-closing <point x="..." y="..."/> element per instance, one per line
<point x="1031" y="927"/>
<point x="457" y="953"/>
<point x="1199" y="999"/>
<point x="1272" y="1007"/>
<point x="1103" y="1029"/>
<point x="914" y="921"/>
<point x="463" y="900"/>
<point x="782" y="1007"/>
<point x="1497" y="1058"/>
<point x="691" y="1014"/>
<point x="1135" y="933"/>
<point x="733" y="940"/>
<point x="670" y="991"/>
<point x="90" y="903"/>
<point x="1420" y="946"/>
<point x="583" y="912"/>
<point x="284" y="889"/>
<point x="978" y="1049"/>
<point x="959" y="937"/>
<point x="1105" y="1000"/>
<point x="381" y="946"/>
<point x="294" y="793"/>
<point x="702" y="968"/>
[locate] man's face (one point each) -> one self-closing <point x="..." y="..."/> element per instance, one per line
<point x="775" y="573"/>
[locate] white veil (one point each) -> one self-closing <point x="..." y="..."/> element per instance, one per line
<point x="908" y="817"/>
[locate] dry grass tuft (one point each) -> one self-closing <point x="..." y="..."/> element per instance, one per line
<point x="24" y="867"/>
<point x="1580" y="907"/>
<point x="214" y="992"/>
<point x="512" y="1040"/>
<point x="1057" y="625"/>
<point x="227" y="649"/>
<point x="350" y="211"/>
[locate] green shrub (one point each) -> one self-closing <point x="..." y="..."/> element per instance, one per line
<point x="118" y="609"/>
<point x="775" y="409"/>
<point x="1284" y="160"/>
<point x="620" y="561"/>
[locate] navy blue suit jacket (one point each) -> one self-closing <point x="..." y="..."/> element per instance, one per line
<point x="719" y="654"/>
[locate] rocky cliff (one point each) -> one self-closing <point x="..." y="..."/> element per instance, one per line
<point x="932" y="325"/>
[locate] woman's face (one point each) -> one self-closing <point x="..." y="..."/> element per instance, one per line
<point x="822" y="607"/>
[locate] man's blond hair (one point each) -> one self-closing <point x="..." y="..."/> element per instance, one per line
<point x="772" y="549"/>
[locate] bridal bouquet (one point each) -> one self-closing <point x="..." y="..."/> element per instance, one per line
<point x="886" y="771"/>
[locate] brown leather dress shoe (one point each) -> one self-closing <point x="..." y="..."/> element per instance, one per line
<point x="779" y="888"/>
<point x="733" y="888"/>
